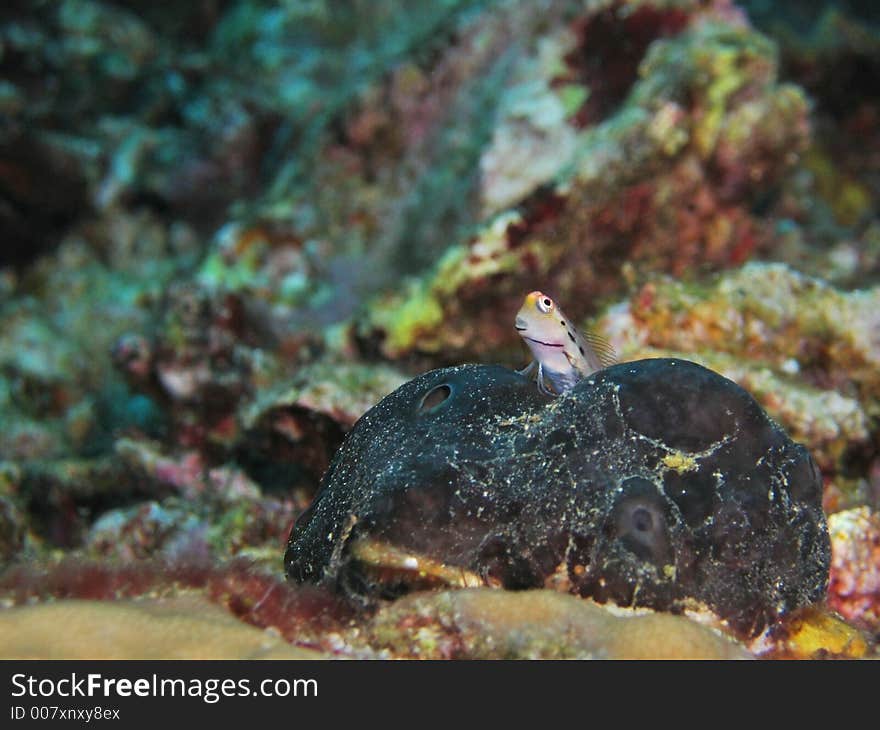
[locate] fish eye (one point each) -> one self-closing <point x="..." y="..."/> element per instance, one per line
<point x="545" y="304"/>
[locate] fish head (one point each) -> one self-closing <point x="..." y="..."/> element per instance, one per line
<point x="538" y="323"/>
<point x="537" y="316"/>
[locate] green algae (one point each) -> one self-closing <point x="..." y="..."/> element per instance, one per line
<point x="418" y="319"/>
<point x="716" y="62"/>
<point x="572" y="97"/>
<point x="408" y="322"/>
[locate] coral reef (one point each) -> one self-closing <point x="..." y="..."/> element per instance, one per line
<point x="231" y="228"/>
<point x="58" y="390"/>
<point x="653" y="483"/>
<point x="830" y="207"/>
<point x="170" y="629"/>
<point x="854" y="590"/>
<point x="183" y="609"/>
<point x="809" y="352"/>
<point x="814" y="633"/>
<point x="486" y="624"/>
<point x="664" y="178"/>
<point x="305" y="617"/>
<point x="300" y="424"/>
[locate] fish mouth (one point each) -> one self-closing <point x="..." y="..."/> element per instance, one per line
<point x="520" y="325"/>
<point x="546" y="344"/>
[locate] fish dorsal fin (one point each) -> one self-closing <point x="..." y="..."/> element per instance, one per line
<point x="602" y="347"/>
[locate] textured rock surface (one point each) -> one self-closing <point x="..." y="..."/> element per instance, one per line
<point x="122" y="593"/>
<point x="814" y="633"/>
<point x="296" y="428"/>
<point x="854" y="590"/>
<point x="808" y="351"/>
<point x="656" y="483"/>
<point x="486" y="624"/>
<point x="670" y="137"/>
<point x="171" y="629"/>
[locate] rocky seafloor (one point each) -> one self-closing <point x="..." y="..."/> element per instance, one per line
<point x="228" y="229"/>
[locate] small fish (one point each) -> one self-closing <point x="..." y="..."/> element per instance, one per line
<point x="563" y="355"/>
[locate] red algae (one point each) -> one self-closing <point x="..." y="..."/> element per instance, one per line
<point x="299" y="614"/>
<point x="540" y="209"/>
<point x="610" y="47"/>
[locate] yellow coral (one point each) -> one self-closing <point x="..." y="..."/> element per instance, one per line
<point x="180" y="628"/>
<point x="818" y="633"/>
<point x="402" y="319"/>
<point x="706" y="132"/>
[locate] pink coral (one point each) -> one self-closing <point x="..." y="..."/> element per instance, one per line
<point x="854" y="590"/>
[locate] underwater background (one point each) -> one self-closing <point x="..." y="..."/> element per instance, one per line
<point x="230" y="227"/>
